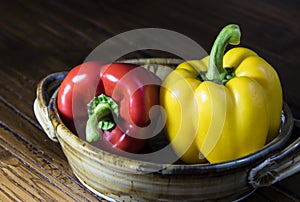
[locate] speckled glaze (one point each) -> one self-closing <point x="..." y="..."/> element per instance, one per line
<point x="117" y="178"/>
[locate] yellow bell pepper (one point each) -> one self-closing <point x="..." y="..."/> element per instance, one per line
<point x="224" y="106"/>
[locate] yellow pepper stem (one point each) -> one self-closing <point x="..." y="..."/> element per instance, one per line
<point x="230" y="34"/>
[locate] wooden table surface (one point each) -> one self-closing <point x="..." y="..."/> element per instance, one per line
<point x="42" y="37"/>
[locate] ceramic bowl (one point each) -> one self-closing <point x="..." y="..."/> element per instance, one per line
<point x="119" y="178"/>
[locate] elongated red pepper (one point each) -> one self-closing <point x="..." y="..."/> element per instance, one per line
<point x="121" y="95"/>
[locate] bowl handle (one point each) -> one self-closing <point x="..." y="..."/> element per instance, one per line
<point x="44" y="92"/>
<point x="279" y="166"/>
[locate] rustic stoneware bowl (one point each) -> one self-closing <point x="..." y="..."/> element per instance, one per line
<point x="118" y="178"/>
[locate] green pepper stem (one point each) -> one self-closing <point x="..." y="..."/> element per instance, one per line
<point x="100" y="112"/>
<point x="230" y="34"/>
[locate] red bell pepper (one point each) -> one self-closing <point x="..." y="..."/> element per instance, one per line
<point x="110" y="101"/>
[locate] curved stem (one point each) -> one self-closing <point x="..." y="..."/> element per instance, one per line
<point x="230" y="34"/>
<point x="100" y="111"/>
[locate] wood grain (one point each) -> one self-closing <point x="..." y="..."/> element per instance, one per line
<point x="41" y="37"/>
